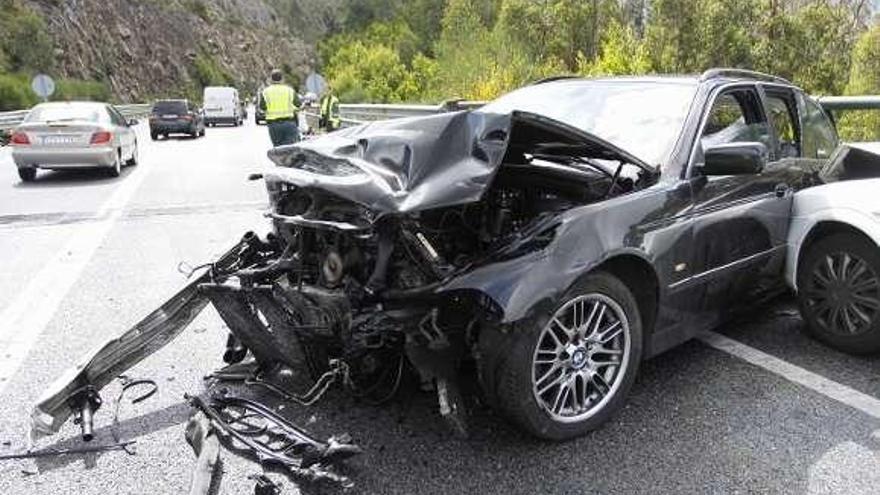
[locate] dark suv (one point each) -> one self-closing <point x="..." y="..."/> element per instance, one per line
<point x="176" y="117"/>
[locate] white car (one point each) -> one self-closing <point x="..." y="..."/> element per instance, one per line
<point x="833" y="259"/>
<point x="72" y="135"/>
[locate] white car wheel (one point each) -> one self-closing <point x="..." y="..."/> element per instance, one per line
<point x="116" y="169"/>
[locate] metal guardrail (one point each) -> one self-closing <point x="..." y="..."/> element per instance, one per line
<point x="8" y="120"/>
<point x="353" y="114"/>
<point x="368" y="112"/>
<point x="866" y="102"/>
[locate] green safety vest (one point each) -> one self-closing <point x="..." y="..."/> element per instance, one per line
<point x="280" y="102"/>
<point x="330" y="111"/>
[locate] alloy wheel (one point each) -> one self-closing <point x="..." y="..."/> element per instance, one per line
<point x="843" y="293"/>
<point x="581" y="358"/>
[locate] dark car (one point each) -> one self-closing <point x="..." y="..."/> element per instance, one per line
<point x="176" y="117"/>
<point x="541" y="246"/>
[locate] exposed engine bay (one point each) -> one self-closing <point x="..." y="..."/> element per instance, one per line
<point x="371" y="228"/>
<point x="368" y="289"/>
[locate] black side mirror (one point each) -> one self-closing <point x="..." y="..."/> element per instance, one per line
<point x="132" y="122"/>
<point x="734" y="159"/>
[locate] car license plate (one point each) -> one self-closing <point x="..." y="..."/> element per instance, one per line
<point x="169" y="116"/>
<point x="59" y="140"/>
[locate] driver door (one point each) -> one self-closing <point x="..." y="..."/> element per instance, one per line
<point x="740" y="221"/>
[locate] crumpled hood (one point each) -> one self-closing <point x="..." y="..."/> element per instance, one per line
<point x="419" y="163"/>
<point x="400" y="165"/>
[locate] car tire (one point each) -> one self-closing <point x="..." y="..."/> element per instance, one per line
<point x="116" y="169"/>
<point x="518" y="368"/>
<point x="839" y="292"/>
<point x="28" y="174"/>
<point x="134" y="156"/>
<point x="202" y="132"/>
<point x="154" y="136"/>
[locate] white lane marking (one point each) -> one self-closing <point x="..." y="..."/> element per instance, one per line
<point x="829" y="388"/>
<point x="26" y="316"/>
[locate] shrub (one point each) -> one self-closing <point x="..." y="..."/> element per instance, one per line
<point x="207" y="72"/>
<point x="26" y="41"/>
<point x="15" y="92"/>
<point x="75" y="89"/>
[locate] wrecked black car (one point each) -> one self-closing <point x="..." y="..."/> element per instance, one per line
<point x="542" y="246"/>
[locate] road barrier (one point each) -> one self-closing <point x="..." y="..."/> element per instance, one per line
<point x="355" y="114"/>
<point x="864" y="102"/>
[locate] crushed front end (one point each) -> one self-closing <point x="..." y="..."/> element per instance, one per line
<point x="394" y="247"/>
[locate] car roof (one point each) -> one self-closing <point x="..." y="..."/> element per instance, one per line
<point x="712" y="77"/>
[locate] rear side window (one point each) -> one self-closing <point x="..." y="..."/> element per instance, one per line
<point x="820" y="137"/>
<point x="116" y="117"/>
<point x="170" y="107"/>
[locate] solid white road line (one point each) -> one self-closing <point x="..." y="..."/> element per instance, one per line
<point x="829" y="388"/>
<point x="24" y="319"/>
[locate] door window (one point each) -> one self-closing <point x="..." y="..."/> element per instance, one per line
<point x="820" y="137"/>
<point x="783" y="118"/>
<point x="735" y="117"/>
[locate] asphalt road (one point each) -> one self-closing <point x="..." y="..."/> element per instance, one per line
<point x="83" y="257"/>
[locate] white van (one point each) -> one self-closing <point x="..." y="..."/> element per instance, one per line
<point x="221" y="106"/>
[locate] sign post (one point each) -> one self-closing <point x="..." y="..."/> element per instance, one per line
<point x="315" y="83"/>
<point x="43" y="86"/>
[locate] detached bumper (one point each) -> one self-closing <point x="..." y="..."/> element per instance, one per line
<point x="63" y="158"/>
<point x="63" y="398"/>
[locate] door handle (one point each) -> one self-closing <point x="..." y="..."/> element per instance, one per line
<point x="782" y="189"/>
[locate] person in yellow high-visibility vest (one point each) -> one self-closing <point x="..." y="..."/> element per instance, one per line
<point x="330" y="120"/>
<point x="281" y="104"/>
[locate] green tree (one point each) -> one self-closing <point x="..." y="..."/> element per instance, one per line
<point x="864" y="79"/>
<point x="26" y="41"/>
<point x="424" y="19"/>
<point x="672" y="35"/>
<point x="559" y="29"/>
<point x="362" y="72"/>
<point x="621" y="53"/>
<point x="463" y="50"/>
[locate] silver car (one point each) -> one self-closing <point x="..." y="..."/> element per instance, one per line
<point x="73" y="135"/>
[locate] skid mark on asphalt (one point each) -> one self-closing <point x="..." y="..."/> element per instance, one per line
<point x="841" y="393"/>
<point x="24" y="319"/>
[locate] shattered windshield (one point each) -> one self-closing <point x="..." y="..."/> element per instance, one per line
<point x="641" y="117"/>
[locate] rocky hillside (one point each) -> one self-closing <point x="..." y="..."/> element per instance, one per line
<point x="152" y="48"/>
